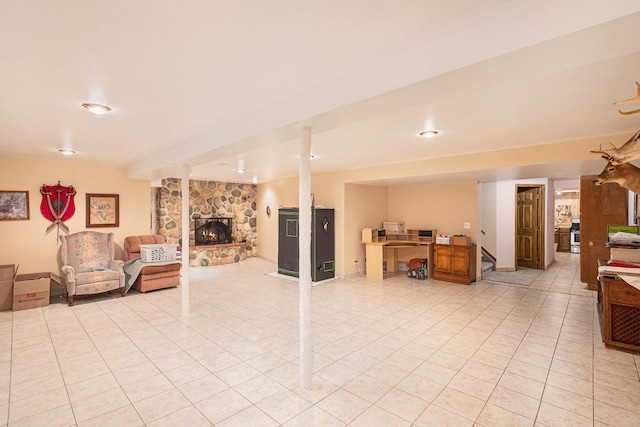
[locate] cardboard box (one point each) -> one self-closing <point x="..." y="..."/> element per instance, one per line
<point x="443" y="240"/>
<point x="461" y="240"/>
<point x="32" y="290"/>
<point x="7" y="274"/>
<point x="393" y="227"/>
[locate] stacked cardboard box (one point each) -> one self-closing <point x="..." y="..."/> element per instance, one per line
<point x="7" y="274"/>
<point x="443" y="239"/>
<point x="461" y="240"/>
<point x="32" y="290"/>
<point x="393" y="227"/>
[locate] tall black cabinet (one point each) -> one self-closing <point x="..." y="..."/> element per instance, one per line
<point x="322" y="243"/>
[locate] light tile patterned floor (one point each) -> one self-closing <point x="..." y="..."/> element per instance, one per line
<point x="399" y="352"/>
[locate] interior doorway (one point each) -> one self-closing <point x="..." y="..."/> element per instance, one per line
<point x="530" y="208"/>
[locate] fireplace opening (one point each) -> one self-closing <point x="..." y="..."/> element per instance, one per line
<point x="213" y="231"/>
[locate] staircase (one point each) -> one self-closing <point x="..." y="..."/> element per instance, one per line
<point x="488" y="262"/>
<point x="486" y="266"/>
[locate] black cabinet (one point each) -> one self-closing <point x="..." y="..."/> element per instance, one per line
<point x="322" y="243"/>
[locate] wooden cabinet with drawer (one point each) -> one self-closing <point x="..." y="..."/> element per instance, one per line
<point x="455" y="263"/>
<point x="619" y="311"/>
<point x="564" y="239"/>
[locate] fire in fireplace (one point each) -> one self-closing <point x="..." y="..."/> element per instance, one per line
<point x="213" y="231"/>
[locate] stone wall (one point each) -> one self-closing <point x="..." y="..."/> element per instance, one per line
<point x="210" y="199"/>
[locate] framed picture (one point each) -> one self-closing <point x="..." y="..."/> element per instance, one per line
<point x="14" y="205"/>
<point x="103" y="210"/>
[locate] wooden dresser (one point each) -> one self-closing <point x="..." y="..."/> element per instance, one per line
<point x="619" y="311"/>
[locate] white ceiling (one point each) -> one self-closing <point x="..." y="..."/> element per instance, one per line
<point x="212" y="83"/>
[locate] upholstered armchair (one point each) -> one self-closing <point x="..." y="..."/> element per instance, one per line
<point x="153" y="275"/>
<point x="88" y="264"/>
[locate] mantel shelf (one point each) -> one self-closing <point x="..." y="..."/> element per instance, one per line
<point x="220" y="246"/>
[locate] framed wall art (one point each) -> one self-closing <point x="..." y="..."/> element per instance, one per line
<point x="14" y="205"/>
<point x="103" y="210"/>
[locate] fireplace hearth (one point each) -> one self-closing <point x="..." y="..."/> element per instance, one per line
<point x="213" y="231"/>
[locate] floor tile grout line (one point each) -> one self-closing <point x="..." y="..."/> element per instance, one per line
<point x="544" y="387"/>
<point x="101" y="356"/>
<point x="511" y="358"/>
<point x="459" y="300"/>
<point x="159" y="370"/>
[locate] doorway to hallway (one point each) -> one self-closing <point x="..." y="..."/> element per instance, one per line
<point x="529" y="242"/>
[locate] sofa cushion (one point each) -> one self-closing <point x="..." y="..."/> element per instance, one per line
<point x="96" y="276"/>
<point x="88" y="252"/>
<point x="132" y="244"/>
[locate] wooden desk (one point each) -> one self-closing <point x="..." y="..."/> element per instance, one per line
<point x="393" y="251"/>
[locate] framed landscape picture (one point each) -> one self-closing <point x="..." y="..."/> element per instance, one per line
<point x="14" y="205"/>
<point x="103" y="210"/>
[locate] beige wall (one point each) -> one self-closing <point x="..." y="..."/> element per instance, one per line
<point x="365" y="206"/>
<point x="445" y="207"/>
<point x="449" y="205"/>
<point x="271" y="194"/>
<point x="442" y="206"/>
<point x="488" y="223"/>
<point x="26" y="243"/>
<point x="328" y="192"/>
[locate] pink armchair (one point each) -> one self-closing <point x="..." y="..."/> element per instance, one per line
<point x="88" y="264"/>
<point x="152" y="276"/>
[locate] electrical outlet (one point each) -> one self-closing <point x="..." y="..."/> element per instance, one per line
<point x="467" y="225"/>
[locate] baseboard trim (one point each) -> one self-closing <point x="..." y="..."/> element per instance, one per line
<point x="506" y="269"/>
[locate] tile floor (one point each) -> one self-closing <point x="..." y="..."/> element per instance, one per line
<point x="399" y="352"/>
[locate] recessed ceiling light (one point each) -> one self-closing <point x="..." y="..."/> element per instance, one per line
<point x="241" y="170"/>
<point x="255" y="180"/>
<point x="65" y="152"/>
<point x="96" y="108"/>
<point x="429" y="133"/>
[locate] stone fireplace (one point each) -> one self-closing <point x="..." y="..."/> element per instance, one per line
<point x="231" y="209"/>
<point x="213" y="231"/>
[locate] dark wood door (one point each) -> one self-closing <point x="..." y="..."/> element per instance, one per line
<point x="527" y="228"/>
<point x="600" y="205"/>
<point x="564" y="244"/>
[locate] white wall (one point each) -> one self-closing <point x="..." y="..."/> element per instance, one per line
<point x="566" y="183"/>
<point x="488" y="216"/>
<point x="506" y="227"/>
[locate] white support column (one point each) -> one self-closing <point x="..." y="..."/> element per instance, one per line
<point x="304" y="260"/>
<point x="184" y="281"/>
